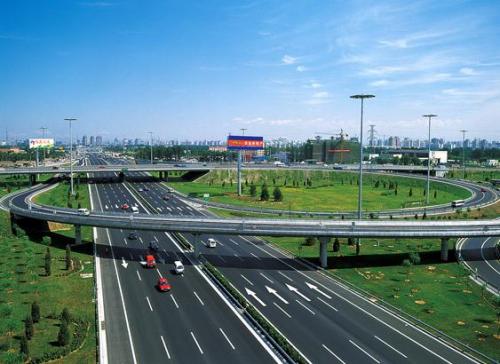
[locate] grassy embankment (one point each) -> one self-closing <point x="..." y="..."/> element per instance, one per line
<point x="11" y="183"/>
<point x="23" y="280"/>
<point x="320" y="190"/>
<point x="474" y="175"/>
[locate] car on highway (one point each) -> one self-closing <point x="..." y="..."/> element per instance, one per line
<point x="211" y="243"/>
<point x="132" y="236"/>
<point x="124" y="206"/>
<point x="150" y="261"/>
<point x="166" y="198"/>
<point x="178" y="267"/>
<point x="84" y="211"/>
<point x="134" y="209"/>
<point x="140" y="190"/>
<point x="153" y="245"/>
<point x="483" y="190"/>
<point x="145" y="189"/>
<point x="163" y="285"/>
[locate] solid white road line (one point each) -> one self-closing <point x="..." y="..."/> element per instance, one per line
<point x="307" y="308"/>
<point x="165" y="347"/>
<point x="284" y="275"/>
<point x="252" y="254"/>
<point x="246" y="279"/>
<point x="263" y="275"/>
<point x="331" y="352"/>
<point x="326" y="303"/>
<point x="486" y="261"/>
<point x="225" y="336"/>
<point x="393" y="348"/>
<point x="196" y="342"/>
<point x="198" y="297"/>
<point x="173" y="299"/>
<point x="234" y="242"/>
<point x="138" y="275"/>
<point x="364" y="351"/>
<point x="282" y="310"/>
<point x="149" y="303"/>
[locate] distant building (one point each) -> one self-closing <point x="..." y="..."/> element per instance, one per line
<point x="98" y="140"/>
<point x="492" y="162"/>
<point x="92" y="140"/>
<point x="332" y="150"/>
<point x="85" y="140"/>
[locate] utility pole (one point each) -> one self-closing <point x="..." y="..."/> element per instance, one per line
<point x="151" y="144"/>
<point x="239" y="164"/>
<point x="430" y="116"/>
<point x="371" y="136"/>
<point x="463" y="131"/>
<point x="362" y="97"/>
<point x="71" y="154"/>
<point x="44" y="130"/>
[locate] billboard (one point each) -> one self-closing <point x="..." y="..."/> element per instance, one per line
<point x="235" y="142"/>
<point x="41" y="143"/>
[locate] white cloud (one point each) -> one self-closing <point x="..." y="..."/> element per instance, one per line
<point x="321" y="94"/>
<point x="288" y="59"/>
<point x="416" y="39"/>
<point x="467" y="71"/>
<point x="379" y="83"/>
<point x="316" y="85"/>
<point x="318" y="98"/>
<point x="301" y="68"/>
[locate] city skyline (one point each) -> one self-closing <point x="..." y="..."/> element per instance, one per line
<point x="280" y="70"/>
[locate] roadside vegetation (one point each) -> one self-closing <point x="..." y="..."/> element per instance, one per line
<point x="46" y="299"/>
<point x="330" y="191"/>
<point x="475" y="175"/>
<point x="11" y="183"/>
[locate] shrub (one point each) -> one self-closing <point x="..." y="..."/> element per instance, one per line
<point x="336" y="245"/>
<point x="277" y="195"/>
<point x="253" y="190"/>
<point x="63" y="335"/>
<point x="48" y="267"/>
<point x="68" y="257"/>
<point x="65" y="315"/>
<point x="414" y="258"/>
<point x="23" y="347"/>
<point x="28" y="328"/>
<point x="350" y="241"/>
<point x="264" y="193"/>
<point x="310" y="241"/>
<point x="35" y="312"/>
<point x="406" y="263"/>
<point x="410" y="193"/>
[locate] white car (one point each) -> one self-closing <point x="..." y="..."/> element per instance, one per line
<point x="84" y="211"/>
<point x="211" y="243"/>
<point x="134" y="209"/>
<point x="178" y="267"/>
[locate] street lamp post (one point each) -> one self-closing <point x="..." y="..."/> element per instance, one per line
<point x="151" y="145"/>
<point x="71" y="154"/>
<point x="239" y="164"/>
<point x="463" y="131"/>
<point x="430" y="116"/>
<point x="362" y="97"/>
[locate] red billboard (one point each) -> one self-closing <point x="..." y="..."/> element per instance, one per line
<point x="243" y="142"/>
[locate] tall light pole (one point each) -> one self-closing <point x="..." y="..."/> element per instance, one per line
<point x="362" y="97"/>
<point x="463" y="131"/>
<point x="43" y="129"/>
<point x="430" y="116"/>
<point x="151" y="144"/>
<point x="71" y="154"/>
<point x="239" y="164"/>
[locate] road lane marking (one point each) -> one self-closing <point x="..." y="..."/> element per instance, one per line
<point x="173" y="299"/>
<point x="255" y="256"/>
<point x="165" y="347"/>
<point x="237" y="256"/>
<point x="263" y="275"/>
<point x="282" y="310"/>
<point x="246" y="279"/>
<point x="225" y="336"/>
<point x="331" y="352"/>
<point x="486" y="261"/>
<point x="313" y="287"/>
<point x="220" y="257"/>
<point x="326" y="303"/>
<point x="364" y="351"/>
<point x="393" y="348"/>
<point x="138" y="275"/>
<point x="196" y="342"/>
<point x="307" y="308"/>
<point x="234" y="242"/>
<point x="159" y="273"/>
<point x="149" y="303"/>
<point x="254" y="295"/>
<point x="284" y="275"/>
<point x="198" y="297"/>
<point x="275" y="293"/>
<point x="293" y="289"/>
<point x="125" y="241"/>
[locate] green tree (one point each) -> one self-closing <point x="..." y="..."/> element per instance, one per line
<point x="35" y="312"/>
<point x="310" y="241"/>
<point x="277" y="195"/>
<point x="29" y="330"/>
<point x="23" y="347"/>
<point x="65" y="315"/>
<point x="264" y="193"/>
<point x="411" y="192"/>
<point x="336" y="245"/>
<point x="414" y="258"/>
<point x="435" y="193"/>
<point x="253" y="190"/>
<point x="48" y="266"/>
<point x="63" y="335"/>
<point x="68" y="257"/>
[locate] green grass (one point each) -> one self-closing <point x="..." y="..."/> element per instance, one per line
<point x="452" y="303"/>
<point x="60" y="196"/>
<point x="23" y="280"/>
<point x="329" y="191"/>
<point x="475" y="175"/>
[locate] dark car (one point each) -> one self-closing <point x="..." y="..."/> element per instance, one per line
<point x="153" y="245"/>
<point x="132" y="236"/>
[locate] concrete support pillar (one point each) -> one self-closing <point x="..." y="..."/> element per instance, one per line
<point x="444" y="249"/>
<point x="196" y="245"/>
<point x="166" y="176"/>
<point x="160" y="175"/>
<point x="78" y="234"/>
<point x="323" y="252"/>
<point x="32" y="179"/>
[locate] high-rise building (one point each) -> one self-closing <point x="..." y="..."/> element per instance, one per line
<point x="98" y="140"/>
<point x="85" y="140"/>
<point x="92" y="140"/>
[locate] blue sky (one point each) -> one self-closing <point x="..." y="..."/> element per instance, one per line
<point x="201" y="69"/>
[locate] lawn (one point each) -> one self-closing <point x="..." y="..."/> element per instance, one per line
<point x="23" y="281"/>
<point x="439" y="294"/>
<point x="475" y="175"/>
<point x="329" y="191"/>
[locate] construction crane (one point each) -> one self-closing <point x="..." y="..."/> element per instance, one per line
<point x="340" y="146"/>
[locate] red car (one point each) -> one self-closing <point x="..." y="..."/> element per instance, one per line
<point x="163" y="285"/>
<point x="124" y="206"/>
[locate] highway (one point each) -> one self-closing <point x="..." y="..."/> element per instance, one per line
<point x="192" y="323"/>
<point x="323" y="319"/>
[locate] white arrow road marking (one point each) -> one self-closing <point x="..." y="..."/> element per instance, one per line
<point x="124" y="263"/>
<point x="274" y="292"/>
<point x="313" y="287"/>
<point x="293" y="289"/>
<point x="254" y="295"/>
